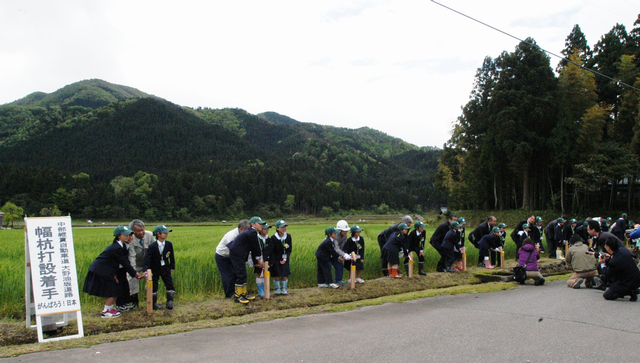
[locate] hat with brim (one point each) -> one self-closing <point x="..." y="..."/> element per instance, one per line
<point x="256" y="220"/>
<point x="355" y="228"/>
<point x="418" y="224"/>
<point x="495" y="230"/>
<point x="266" y="226"/>
<point x="122" y="230"/>
<point x="161" y="229"/>
<point x="330" y="230"/>
<point x="281" y="223"/>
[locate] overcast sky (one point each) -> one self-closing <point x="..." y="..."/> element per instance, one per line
<point x="401" y="67"/>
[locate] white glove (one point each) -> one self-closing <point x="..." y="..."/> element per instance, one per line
<point x="347" y="257"/>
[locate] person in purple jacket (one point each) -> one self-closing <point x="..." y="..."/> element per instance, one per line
<point x="528" y="256"/>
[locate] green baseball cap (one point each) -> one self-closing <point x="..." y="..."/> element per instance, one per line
<point x="495" y="229"/>
<point x="418" y="224"/>
<point x="526" y="225"/>
<point x="355" y="228"/>
<point x="161" y="229"/>
<point x="330" y="231"/>
<point x="122" y="230"/>
<point x="561" y="220"/>
<point x="462" y="221"/>
<point x="538" y="219"/>
<point x="281" y="223"/>
<point x="402" y="226"/>
<point x="502" y="225"/>
<point x="266" y="226"/>
<point x="454" y="224"/>
<point x="256" y="220"/>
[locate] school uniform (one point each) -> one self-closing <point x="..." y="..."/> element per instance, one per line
<point x="356" y="246"/>
<point x="515" y="233"/>
<point x="161" y="260"/>
<point x="239" y="249"/>
<point x="396" y="243"/>
<point x="494" y="255"/>
<point x="436" y="242"/>
<point x="450" y="244"/>
<point x="488" y="243"/>
<point x="113" y="261"/>
<point x="279" y="248"/>
<point x="382" y="239"/>
<point x="522" y="235"/>
<point x="325" y="254"/>
<point x="536" y="235"/>
<point x="416" y="244"/>
<point x="558" y="236"/>
<point x="568" y="232"/>
<point x="549" y="232"/>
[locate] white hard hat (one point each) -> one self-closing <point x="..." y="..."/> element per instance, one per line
<point x="342" y="225"/>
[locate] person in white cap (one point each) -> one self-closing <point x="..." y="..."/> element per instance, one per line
<point x="338" y="243"/>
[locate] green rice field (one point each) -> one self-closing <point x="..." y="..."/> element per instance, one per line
<point x="196" y="277"/>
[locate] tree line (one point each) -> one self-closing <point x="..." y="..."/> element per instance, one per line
<point x="533" y="138"/>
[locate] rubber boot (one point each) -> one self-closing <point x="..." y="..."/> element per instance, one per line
<point x="155" y="302"/>
<point x="246" y="295"/>
<point x="278" y="291"/>
<point x="284" y="287"/>
<point x="421" y="269"/>
<point x="170" y="295"/>
<point x="239" y="296"/>
<point x="487" y="263"/>
<point x="260" y="285"/>
<point x="135" y="301"/>
<point x="396" y="273"/>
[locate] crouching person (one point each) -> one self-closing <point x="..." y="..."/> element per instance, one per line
<point x="581" y="262"/>
<point x="620" y="270"/>
<point x="528" y="256"/>
<point x="161" y="260"/>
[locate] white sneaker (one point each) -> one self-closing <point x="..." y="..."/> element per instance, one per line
<point x="323" y="285"/>
<point x="359" y="280"/>
<point x="333" y="286"/>
<point x="348" y="281"/>
<point x="113" y="313"/>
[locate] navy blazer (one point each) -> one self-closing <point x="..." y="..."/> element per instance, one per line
<point x="108" y="262"/>
<point x="152" y="258"/>
<point x="326" y="252"/>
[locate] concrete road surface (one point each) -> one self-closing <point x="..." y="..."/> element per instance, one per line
<point x="551" y="323"/>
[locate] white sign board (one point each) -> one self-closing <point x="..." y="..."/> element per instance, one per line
<point x="51" y="257"/>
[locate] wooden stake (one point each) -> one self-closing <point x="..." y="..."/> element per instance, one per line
<point x="352" y="273"/>
<point x="149" y="292"/>
<point x="267" y="281"/>
<point x="464" y="262"/>
<point x="502" y="259"/>
<point x="410" y="272"/>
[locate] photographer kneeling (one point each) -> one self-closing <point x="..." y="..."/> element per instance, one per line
<point x="620" y="270"/>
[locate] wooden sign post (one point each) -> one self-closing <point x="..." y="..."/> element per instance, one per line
<point x="502" y="258"/>
<point x="149" y="292"/>
<point x="352" y="272"/>
<point x="267" y="281"/>
<point x="464" y="262"/>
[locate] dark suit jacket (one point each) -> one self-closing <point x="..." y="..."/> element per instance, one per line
<point x="152" y="258"/>
<point x="108" y="262"/>
<point x="481" y="230"/>
<point x="622" y="269"/>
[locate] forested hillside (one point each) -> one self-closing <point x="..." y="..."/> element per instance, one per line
<point x="533" y="139"/>
<point x="143" y="156"/>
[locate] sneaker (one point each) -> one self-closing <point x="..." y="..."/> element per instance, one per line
<point x="342" y="282"/>
<point x="109" y="314"/>
<point x="323" y="285"/>
<point x="333" y="286"/>
<point x="122" y="308"/>
<point x="130" y="306"/>
<point x="578" y="283"/>
<point x="359" y="280"/>
<point x="348" y="281"/>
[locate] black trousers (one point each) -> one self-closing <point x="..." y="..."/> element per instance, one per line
<point x="324" y="272"/>
<point x="238" y="269"/>
<point x="441" y="262"/>
<point x="123" y="286"/>
<point x="381" y="243"/>
<point x="448" y="257"/>
<point x="165" y="274"/>
<point x="616" y="291"/>
<point x="228" y="277"/>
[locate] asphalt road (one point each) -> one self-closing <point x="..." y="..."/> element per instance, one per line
<point x="551" y="323"/>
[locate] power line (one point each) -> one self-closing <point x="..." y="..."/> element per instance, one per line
<point x="617" y="81"/>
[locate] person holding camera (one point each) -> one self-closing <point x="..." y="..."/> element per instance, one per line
<point x="581" y="262"/>
<point x="620" y="270"/>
